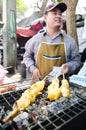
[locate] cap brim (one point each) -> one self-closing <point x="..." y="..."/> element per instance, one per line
<point x="61" y="6"/>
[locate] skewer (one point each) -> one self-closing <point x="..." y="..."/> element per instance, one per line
<point x="45" y="77"/>
<point x="5" y="67"/>
<point x="8" y="67"/>
<point x="63" y="76"/>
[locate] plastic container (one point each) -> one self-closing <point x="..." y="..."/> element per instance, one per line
<point x="77" y="79"/>
<point x="2" y="75"/>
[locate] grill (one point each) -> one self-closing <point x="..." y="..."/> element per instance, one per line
<point x="43" y="114"/>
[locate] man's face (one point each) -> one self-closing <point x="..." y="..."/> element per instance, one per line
<point x="53" y="18"/>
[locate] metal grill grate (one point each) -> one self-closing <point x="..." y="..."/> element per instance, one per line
<point x="43" y="114"/>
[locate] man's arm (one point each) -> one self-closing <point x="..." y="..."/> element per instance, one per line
<point x="74" y="61"/>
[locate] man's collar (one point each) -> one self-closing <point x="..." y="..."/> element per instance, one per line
<point x="59" y="33"/>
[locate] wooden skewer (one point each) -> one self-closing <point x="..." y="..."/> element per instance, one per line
<point x="5" y="67"/>
<point x="45" y="77"/>
<point x="63" y="76"/>
<point x="8" y="67"/>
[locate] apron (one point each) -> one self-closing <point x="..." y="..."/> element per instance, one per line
<point x="50" y="55"/>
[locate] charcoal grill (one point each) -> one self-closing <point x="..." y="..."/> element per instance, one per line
<point x="63" y="114"/>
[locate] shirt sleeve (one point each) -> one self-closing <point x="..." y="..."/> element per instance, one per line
<point x="28" y="57"/>
<point x="73" y="58"/>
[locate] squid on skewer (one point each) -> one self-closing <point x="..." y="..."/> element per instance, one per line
<point x="54" y="90"/>
<point x="28" y="97"/>
<point x="65" y="89"/>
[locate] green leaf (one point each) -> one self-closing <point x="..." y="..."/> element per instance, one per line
<point x="59" y="0"/>
<point x="20" y="5"/>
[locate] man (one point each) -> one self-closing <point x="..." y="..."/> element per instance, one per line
<point x="52" y="47"/>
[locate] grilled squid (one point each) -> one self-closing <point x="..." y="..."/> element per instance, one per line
<point x="54" y="90"/>
<point x="65" y="89"/>
<point x="28" y="97"/>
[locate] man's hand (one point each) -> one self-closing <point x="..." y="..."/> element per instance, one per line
<point x="64" y="69"/>
<point x="36" y="74"/>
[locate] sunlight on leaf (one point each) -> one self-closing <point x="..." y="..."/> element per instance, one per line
<point x="59" y="0"/>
